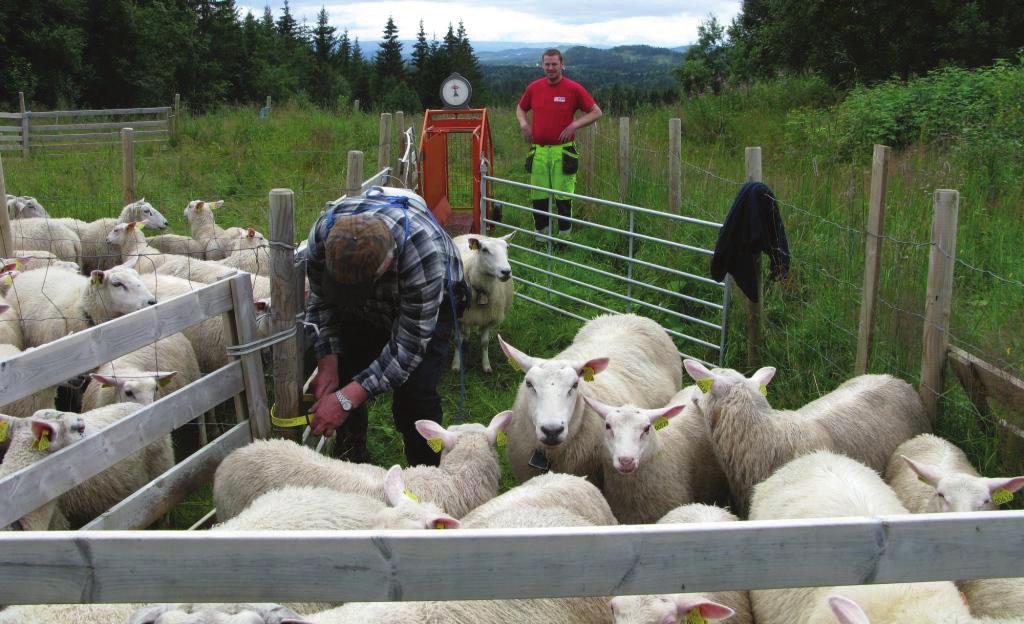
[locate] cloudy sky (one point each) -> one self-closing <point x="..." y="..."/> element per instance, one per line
<point x="664" y="23"/>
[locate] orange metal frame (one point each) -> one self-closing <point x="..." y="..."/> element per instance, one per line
<point x="433" y="183"/>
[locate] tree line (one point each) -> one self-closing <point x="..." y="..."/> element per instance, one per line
<point x="113" y="53"/>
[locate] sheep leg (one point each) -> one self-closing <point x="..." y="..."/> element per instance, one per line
<point x="457" y="360"/>
<point x="485" y="343"/>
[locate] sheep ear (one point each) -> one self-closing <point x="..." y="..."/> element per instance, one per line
<point x="43" y="430"/>
<point x="697" y="371"/>
<point x="474" y="243"/>
<point x="430" y="431"/>
<point x="508" y="236"/>
<point x="394" y="487"/>
<point x="107" y="381"/>
<point x="602" y="410"/>
<point x="445" y="522"/>
<point x="498" y="424"/>
<point x="1010" y="484"/>
<point x="708" y="609"/>
<point x="217" y="204"/>
<point x="592" y="367"/>
<point x="12" y="266"/>
<point x="164" y="379"/>
<point x="96" y="278"/>
<point x="925" y="472"/>
<point x="663" y="412"/>
<point x="262" y="305"/>
<point x="763" y="375"/>
<point x="847" y="611"/>
<point x="251" y="233"/>
<point x="517" y="358"/>
<point x="7" y="423"/>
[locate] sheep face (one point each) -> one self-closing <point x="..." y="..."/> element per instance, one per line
<point x="665" y="609"/>
<point x="124" y="232"/>
<point x="25" y="207"/>
<point x="53" y="430"/>
<point x="955" y="491"/>
<point x="449" y="437"/>
<point x="405" y="511"/>
<point x="144" y="211"/>
<point x="630" y="432"/>
<point x="492" y="256"/>
<point x="142" y="388"/>
<point x="199" y="209"/>
<point x="719" y="384"/>
<point x="120" y="291"/>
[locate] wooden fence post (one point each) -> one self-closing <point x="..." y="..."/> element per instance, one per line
<point x="675" y="165"/>
<point x="287" y="382"/>
<point x="355" y="106"/>
<point x="127" y="166"/>
<point x="243" y="330"/>
<point x="384" y="142"/>
<point x="623" y="157"/>
<point x="354" y="174"/>
<point x="872" y="256"/>
<point x="6" y="236"/>
<point x="24" y="124"/>
<point x="399" y="143"/>
<point x="269" y="102"/>
<point x="942" y="259"/>
<point x="177" y="110"/>
<point x="755" y="309"/>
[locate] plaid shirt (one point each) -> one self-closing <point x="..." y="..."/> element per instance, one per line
<point x="406" y="299"/>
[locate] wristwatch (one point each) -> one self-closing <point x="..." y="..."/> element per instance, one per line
<point x="346" y="404"/>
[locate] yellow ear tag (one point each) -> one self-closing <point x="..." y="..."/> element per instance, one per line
<point x="3" y="430"/>
<point x="1002" y="496"/>
<point x="500" y="439"/>
<point x="43" y="442"/>
<point x="660" y="423"/>
<point x="705" y="384"/>
<point x="515" y="365"/>
<point x="588" y="373"/>
<point x="435" y="444"/>
<point x="439" y="525"/>
<point x="694" y="617"/>
<point x="8" y="280"/>
<point x="411" y="496"/>
<point x="19" y="265"/>
<point x="764" y="390"/>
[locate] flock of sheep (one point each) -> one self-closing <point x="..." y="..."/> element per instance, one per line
<point x="603" y="432"/>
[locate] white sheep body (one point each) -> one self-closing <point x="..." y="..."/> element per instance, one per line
<point x="485" y="264"/>
<point x="136" y="371"/>
<point x="674" y="465"/>
<point x="866" y="418"/>
<point x="48" y="235"/>
<point x="643" y="368"/>
<point x="466" y="477"/>
<point x="40" y="259"/>
<point x="248" y="252"/>
<point x="824" y="484"/>
<point x="51" y="304"/>
<point x="552" y="491"/>
<point x="208" y="272"/>
<point x="10" y="325"/>
<point x="135" y="250"/>
<point x="25" y="407"/>
<point x="216" y="242"/>
<point x="68" y="614"/>
<point x="99" y="254"/>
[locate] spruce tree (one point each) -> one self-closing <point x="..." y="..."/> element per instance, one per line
<point x="324" y="76"/>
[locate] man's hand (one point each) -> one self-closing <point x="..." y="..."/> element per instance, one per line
<point x="567" y="133"/>
<point x="326" y="380"/>
<point x="527" y="133"/>
<point x="328" y="415"/>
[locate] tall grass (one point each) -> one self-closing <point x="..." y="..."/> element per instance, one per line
<point x="820" y="174"/>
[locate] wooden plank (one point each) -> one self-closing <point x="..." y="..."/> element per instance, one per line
<point x="997" y="383"/>
<point x="24" y="125"/>
<point x="10" y="147"/>
<point x="9" y="138"/>
<point x="354" y="173"/>
<point x="10" y="115"/>
<point x="755" y="309"/>
<point x="872" y="256"/>
<point x="65" y="358"/>
<point x="337" y="566"/>
<point x="287" y="301"/>
<point x="109" y="112"/>
<point x="149" y="504"/>
<point x="6" y="237"/>
<point x="12" y="129"/>
<point x="45" y="138"/>
<point x="941" y="261"/>
<point x="116" y="125"/>
<point x="256" y="407"/>
<point x="384" y="141"/>
<point x="45" y="480"/>
<point x="50" y="146"/>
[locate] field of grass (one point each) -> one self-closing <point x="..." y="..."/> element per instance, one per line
<point x="822" y="186"/>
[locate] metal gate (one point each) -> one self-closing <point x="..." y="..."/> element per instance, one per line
<point x="618" y="258"/>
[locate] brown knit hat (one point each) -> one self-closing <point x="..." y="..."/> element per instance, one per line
<point x="357" y="247"/>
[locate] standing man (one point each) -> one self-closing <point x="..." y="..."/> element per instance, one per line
<point x="386" y="285"/>
<point x="554" y="160"/>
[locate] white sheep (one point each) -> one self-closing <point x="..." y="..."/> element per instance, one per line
<point x="866" y="418"/>
<point x="49" y="235"/>
<point x="36" y="259"/>
<point x="100" y="253"/>
<point x="216" y="241"/>
<point x="249" y="252"/>
<point x="94" y="496"/>
<point x="205" y="613"/>
<point x="824" y="484"/>
<point x="615" y="358"/>
<point x="485" y="263"/>
<point x="144" y="375"/>
<point x="69" y="614"/>
<point x="552" y="491"/>
<point x="135" y="250"/>
<point x="322" y="508"/>
<point x="676" y="608"/>
<point x="25" y="207"/>
<point x="51" y="304"/>
<point x="209" y="272"/>
<point x="930" y="474"/>
<point x="25" y="407"/>
<point x="467" y="476"/>
<point x="10" y="325"/>
<point x="658" y="459"/>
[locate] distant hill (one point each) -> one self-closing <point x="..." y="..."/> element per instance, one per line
<point x="587" y="56"/>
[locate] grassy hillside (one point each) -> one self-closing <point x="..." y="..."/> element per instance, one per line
<point x="816" y="154"/>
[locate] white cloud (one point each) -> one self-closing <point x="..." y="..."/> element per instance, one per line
<point x="662" y="23"/>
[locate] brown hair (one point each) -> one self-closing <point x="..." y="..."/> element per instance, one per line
<point x="552" y="52"/>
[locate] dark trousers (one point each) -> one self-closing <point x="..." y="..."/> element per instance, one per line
<point x="416" y="399"/>
<point x="540" y="219"/>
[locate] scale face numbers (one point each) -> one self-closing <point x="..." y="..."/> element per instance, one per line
<point x="455" y="91"/>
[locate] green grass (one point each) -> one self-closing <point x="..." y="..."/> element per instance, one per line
<point x="811" y="317"/>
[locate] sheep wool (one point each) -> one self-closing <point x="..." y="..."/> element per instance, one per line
<point x="144" y="375"/>
<point x="486" y="266"/>
<point x="48" y="235"/>
<point x="553" y="491"/>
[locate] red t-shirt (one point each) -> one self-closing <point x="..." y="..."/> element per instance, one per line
<point x="553" y="107"/>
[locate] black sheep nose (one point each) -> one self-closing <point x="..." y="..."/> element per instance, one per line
<point x="505" y="275"/>
<point x="551" y="433"/>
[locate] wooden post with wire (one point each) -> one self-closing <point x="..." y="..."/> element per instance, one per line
<point x="623" y="157"/>
<point x="872" y="257"/>
<point x="287" y="305"/>
<point x="354" y="174"/>
<point x="355" y="106"/>
<point x="127" y="166"/>
<point x="755" y="309"/>
<point x="675" y="165"/>
<point x="176" y="112"/>
<point x="6" y="236"/>
<point x="396" y="169"/>
<point x="941" y="261"/>
<point x="24" y="124"/>
<point x="384" y="142"/>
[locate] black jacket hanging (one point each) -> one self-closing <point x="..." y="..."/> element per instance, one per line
<point x="752" y="226"/>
